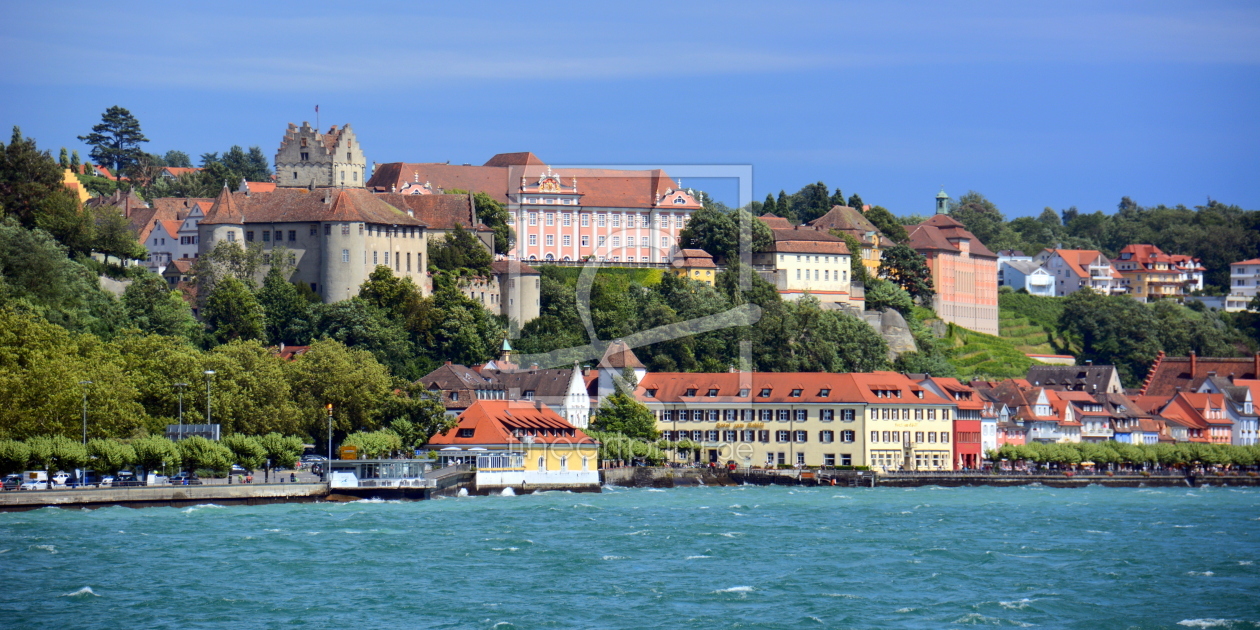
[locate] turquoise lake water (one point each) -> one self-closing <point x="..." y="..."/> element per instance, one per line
<point x="742" y="557"/>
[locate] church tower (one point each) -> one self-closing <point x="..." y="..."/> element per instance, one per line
<point x="942" y="202"/>
<point x="309" y="158"/>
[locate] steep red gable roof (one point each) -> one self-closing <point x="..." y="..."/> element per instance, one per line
<point x="498" y="421"/>
<point x="1172" y="374"/>
<point x="524" y="158"/>
<point x="840" y="388"/>
<point x="289" y="205"/>
<point x="775" y="222"/>
<point x="619" y="355"/>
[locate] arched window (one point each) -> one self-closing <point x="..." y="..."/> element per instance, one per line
<point x="550" y="257"/>
<point x="542" y="464"/>
<point x="564" y="463"/>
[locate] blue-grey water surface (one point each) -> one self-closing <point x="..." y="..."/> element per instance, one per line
<point x="742" y="557"/>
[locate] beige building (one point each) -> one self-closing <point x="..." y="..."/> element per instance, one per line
<point x="804" y="260"/>
<point x="309" y="158"/>
<point x="333" y="238"/>
<point x="520" y="290"/>
<point x="880" y="419"/>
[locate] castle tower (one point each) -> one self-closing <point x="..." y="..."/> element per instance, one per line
<point x="942" y="202"/>
<point x="307" y="157"/>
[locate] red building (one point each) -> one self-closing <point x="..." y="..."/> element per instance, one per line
<point x="968" y="447"/>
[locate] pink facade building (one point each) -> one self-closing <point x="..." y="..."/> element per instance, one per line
<point x="566" y="214"/>
<point x="964" y="271"/>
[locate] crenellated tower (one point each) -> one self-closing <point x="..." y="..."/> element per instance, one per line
<point x="309" y="158"/>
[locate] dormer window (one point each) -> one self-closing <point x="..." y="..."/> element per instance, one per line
<point x="765" y="393"/>
<point x="823" y="393"/>
<point x="796" y="393"/>
<point x="713" y="393"/>
<point x="466" y="433"/>
<point x="743" y="393"/>
<point x="690" y="392"/>
<point x="651" y="393"/>
<point x="679" y="200"/>
<point x="529" y="394"/>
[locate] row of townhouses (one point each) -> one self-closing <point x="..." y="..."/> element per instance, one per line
<point x="886" y="420"/>
<point x="1142" y="271"/>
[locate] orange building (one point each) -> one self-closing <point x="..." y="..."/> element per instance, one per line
<point x="964" y="271"/>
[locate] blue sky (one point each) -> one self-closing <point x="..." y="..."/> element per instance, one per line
<point x="1034" y="104"/>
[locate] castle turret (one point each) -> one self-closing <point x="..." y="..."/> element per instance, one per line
<point x="942" y="202"/>
<point x="309" y="158"/>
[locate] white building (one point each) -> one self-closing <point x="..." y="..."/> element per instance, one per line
<point x="1244" y="281"/>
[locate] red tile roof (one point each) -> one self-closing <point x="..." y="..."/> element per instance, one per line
<point x="287" y="205"/>
<point x="503" y="174"/>
<point x="840" y="388"/>
<point x="693" y="258"/>
<point x="776" y="222"/>
<point x="807" y="241"/>
<point x="505" y="422"/>
<point x="845" y="219"/>
<point x="619" y="355"/>
<point x="1252" y="261"/>
<point x="1172" y="374"/>
<point x="438" y="212"/>
<point x="936" y="233"/>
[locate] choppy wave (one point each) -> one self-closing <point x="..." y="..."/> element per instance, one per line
<point x="83" y="592"/>
<point x="1212" y="623"/>
<point x="736" y="589"/>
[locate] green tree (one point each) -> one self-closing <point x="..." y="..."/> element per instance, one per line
<point x="108" y="456"/>
<point x="14" y="456"/>
<point x="177" y="159"/>
<point x="856" y="203"/>
<point x="198" y="453"/>
<point x="115" y="141"/>
<point x="811" y="201"/>
<point x="375" y="444"/>
<point x="621" y="413"/>
<point x="155" y="453"/>
<point x="887" y="224"/>
<point x="908" y="269"/>
<point x="719" y="233"/>
<point x="358" y="394"/>
<point x="28" y="176"/>
<point x="232" y="312"/>
<point x="251" y="390"/>
<point x="415" y="415"/>
<point x="461" y="252"/>
<point x="62" y="216"/>
<point x="247" y="452"/>
<point x="113" y="235"/>
<point x="280" y="450"/>
<point x="360" y="325"/>
<point x="979" y="216"/>
<point x="153" y="307"/>
<point x="882" y="294"/>
<point x="768" y="206"/>
<point x="288" y="315"/>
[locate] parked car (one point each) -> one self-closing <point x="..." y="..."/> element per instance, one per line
<point x="12" y="482"/>
<point x="34" y="480"/>
<point x="314" y="458"/>
<point x="60" y="479"/>
<point x="106" y="481"/>
<point x="127" y="479"/>
<point x="237" y="470"/>
<point x="185" y="479"/>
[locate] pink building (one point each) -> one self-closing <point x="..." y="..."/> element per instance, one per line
<point x="566" y="214"/>
<point x="964" y="271"/>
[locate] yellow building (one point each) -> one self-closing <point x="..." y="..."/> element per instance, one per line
<point x="520" y="444"/>
<point x="695" y="264"/>
<point x="71" y="182"/>
<point x="803" y="260"/>
<point x="880" y="419"/>
<point x="1148" y="273"/>
<point x="855" y="224"/>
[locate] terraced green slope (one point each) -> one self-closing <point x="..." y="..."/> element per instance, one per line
<point x="1024" y="335"/>
<point x="977" y="355"/>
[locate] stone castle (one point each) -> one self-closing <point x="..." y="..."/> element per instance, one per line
<point x="309" y="158"/>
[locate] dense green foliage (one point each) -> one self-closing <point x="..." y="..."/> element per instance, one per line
<point x="1118" y="330"/>
<point x="789" y="336"/>
<point x="720" y="232"/>
<point x="492" y="213"/>
<point x="1113" y="455"/>
<point x="460" y="252"/>
<point x="908" y="269"/>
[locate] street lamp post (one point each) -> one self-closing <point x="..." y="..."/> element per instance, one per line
<point x="84" y="383"/>
<point x="181" y="387"/>
<point x="328" y="468"/>
<point x="210" y="375"/>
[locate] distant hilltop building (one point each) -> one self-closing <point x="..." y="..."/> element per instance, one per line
<point x="568" y="214"/>
<point x="964" y="271"/>
<point x="309" y="158"/>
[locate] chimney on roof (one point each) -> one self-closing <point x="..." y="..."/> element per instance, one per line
<point x="1194" y="363"/>
<point x="1089" y="362"/>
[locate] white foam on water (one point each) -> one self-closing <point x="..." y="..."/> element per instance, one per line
<point x="1094" y="531"/>
<point x="696" y="557"/>
<point x="505" y="549"/>
<point x="375" y="500"/>
<point x="1205" y="573"/>
<point x="1244" y="563"/>
<point x="843" y="595"/>
<point x="613" y="558"/>
<point x="1016" y="605"/>
<point x="463" y="492"/>
<point x="83" y="592"/>
<point x="7" y="551"/>
<point x="507" y="492"/>
<point x="731" y="534"/>
<point x="904" y="610"/>
<point x="273" y="530"/>
<point x="736" y="589"/>
<point x="738" y="513"/>
<point x="48" y="548"/>
<point x="655" y="490"/>
<point x="1208" y="623"/>
<point x="979" y="619"/>
<point x="1184" y="526"/>
<point x="642" y="531"/>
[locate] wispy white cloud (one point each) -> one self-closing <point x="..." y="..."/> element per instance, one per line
<point x="376" y="49"/>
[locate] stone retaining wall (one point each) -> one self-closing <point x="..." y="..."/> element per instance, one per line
<point x="173" y="496"/>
